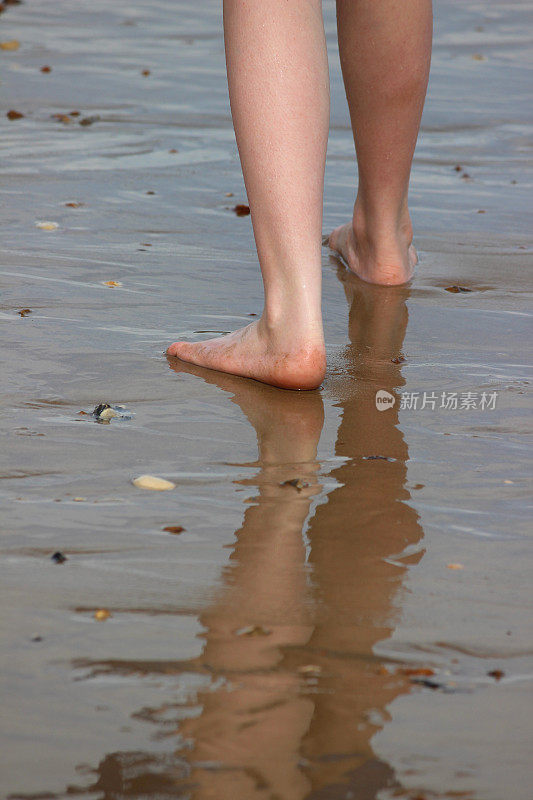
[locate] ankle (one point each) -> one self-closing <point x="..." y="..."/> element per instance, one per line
<point x="296" y="320"/>
<point x="382" y="231"/>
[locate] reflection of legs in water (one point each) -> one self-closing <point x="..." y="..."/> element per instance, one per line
<point x="385" y="50"/>
<point x="278" y="83"/>
<point x="254" y="727"/>
<point x="260" y="729"/>
<point x="365" y="523"/>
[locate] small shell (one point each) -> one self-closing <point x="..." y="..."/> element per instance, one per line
<point x="312" y="670"/>
<point x="11" y="45"/>
<point x="153" y="483"/>
<point x="108" y="413"/>
<point x="253" y="630"/>
<point x="47" y="226"/>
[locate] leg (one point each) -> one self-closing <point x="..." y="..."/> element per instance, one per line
<point x="279" y="92"/>
<point x="385" y="50"/>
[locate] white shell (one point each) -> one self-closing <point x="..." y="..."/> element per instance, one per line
<point x="153" y="483"/>
<point x="47" y="226"/>
<point x="108" y="413"/>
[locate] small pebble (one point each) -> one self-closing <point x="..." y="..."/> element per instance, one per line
<point x="296" y="483"/>
<point x="153" y="483"/>
<point x="24" y="312"/>
<point x="241" y="210"/>
<point x="457" y="289"/>
<point x="88" y="121"/>
<point x="174" y="529"/>
<point x="58" y="558"/>
<point x="112" y="284"/>
<point x="455" y="566"/>
<point x="101" y="614"/>
<point x="12" y="44"/>
<point x="104" y="412"/>
<point x="14" y="114"/>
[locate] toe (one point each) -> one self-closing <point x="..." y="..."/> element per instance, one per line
<point x="177" y="349"/>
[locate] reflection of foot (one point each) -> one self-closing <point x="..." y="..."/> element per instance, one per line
<point x="289" y="360"/>
<point x="388" y="262"/>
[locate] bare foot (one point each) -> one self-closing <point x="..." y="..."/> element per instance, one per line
<point x="389" y="264"/>
<point x="296" y="361"/>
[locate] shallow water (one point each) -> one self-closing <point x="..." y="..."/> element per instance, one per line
<point x="264" y="652"/>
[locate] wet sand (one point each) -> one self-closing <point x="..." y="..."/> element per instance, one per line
<point x="291" y="642"/>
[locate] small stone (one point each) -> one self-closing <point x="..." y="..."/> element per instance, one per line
<point x="145" y="72"/>
<point x="36" y="638"/>
<point x="455" y="566"/>
<point x="12" y="44"/>
<point x="457" y="289"/>
<point x="398" y="360"/>
<point x="228" y="194"/>
<point x="296" y="483"/>
<point x="153" y="483"/>
<point x="101" y="614"/>
<point x="174" y="529"/>
<point x="58" y="558"/>
<point x="497" y="674"/>
<point x="73" y="205"/>
<point x="24" y="312"/>
<point x="88" y="121"/>
<point x="14" y="114"/>
<point x="46" y="68"/>
<point x="479" y="57"/>
<point x="104" y="412"/>
<point x="101" y="409"/>
<point x="79" y="499"/>
<point x="241" y="210"/>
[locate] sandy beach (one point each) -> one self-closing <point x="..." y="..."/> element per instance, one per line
<point x="346" y="610"/>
